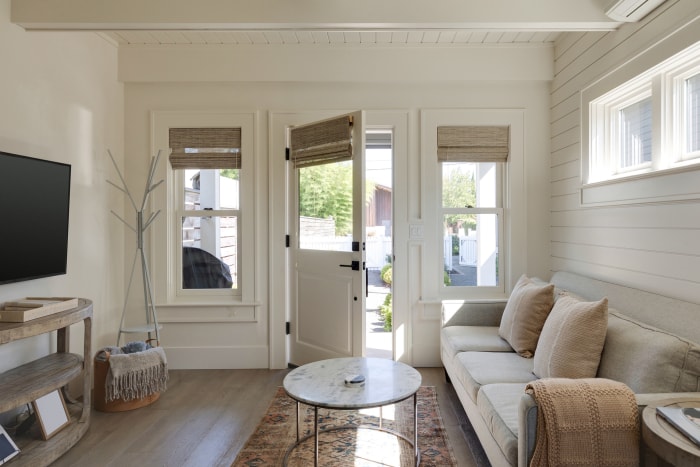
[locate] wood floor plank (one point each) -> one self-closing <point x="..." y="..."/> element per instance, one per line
<point x="206" y="416"/>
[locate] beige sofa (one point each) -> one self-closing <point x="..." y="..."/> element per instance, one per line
<point x="650" y="345"/>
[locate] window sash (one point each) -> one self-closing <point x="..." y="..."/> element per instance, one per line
<point x="634" y="135"/>
<point x="691" y="125"/>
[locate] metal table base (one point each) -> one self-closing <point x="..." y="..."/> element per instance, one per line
<point x="413" y="443"/>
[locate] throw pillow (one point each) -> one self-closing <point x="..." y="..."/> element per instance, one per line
<point x="525" y="314"/>
<point x="572" y="339"/>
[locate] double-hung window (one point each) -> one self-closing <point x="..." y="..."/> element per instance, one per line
<point x="207" y="169"/>
<point x="472" y="163"/>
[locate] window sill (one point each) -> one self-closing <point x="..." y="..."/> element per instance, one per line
<point x="676" y="184"/>
<point x="208" y="312"/>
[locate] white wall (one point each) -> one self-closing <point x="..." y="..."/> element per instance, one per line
<point x="652" y="246"/>
<point x="298" y="80"/>
<point x="60" y="100"/>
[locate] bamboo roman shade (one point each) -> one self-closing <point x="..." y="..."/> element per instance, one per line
<point x="473" y="143"/>
<point x="205" y="148"/>
<point x="322" y="143"/>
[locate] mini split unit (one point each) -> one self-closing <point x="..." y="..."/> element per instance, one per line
<point x="631" y="10"/>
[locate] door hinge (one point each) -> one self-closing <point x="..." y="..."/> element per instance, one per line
<point x="286" y="154"/>
<point x="288" y="328"/>
<point x="287" y="241"/>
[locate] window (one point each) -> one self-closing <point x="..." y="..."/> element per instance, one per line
<point x="472" y="160"/>
<point x="207" y="170"/>
<point x="691" y="116"/>
<point x="645" y="125"/>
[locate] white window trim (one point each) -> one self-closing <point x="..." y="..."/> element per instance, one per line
<point x="166" y="262"/>
<point x="666" y="178"/>
<point x="513" y="243"/>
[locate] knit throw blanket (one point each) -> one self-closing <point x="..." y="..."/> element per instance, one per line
<point x="136" y="375"/>
<point x="585" y="422"/>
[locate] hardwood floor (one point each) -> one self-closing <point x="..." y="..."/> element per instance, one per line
<point x="206" y="416"/>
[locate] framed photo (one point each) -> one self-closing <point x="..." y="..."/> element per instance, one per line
<point x="8" y="448"/>
<point x="52" y="413"/>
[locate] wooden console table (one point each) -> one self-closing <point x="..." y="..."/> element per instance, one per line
<point x="665" y="440"/>
<point x="32" y="380"/>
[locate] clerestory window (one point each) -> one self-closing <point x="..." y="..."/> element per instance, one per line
<point x="649" y="124"/>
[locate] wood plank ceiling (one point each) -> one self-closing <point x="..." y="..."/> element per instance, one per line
<point x="334" y="37"/>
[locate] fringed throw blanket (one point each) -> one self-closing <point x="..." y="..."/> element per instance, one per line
<point x="136" y="375"/>
<point x="585" y="422"/>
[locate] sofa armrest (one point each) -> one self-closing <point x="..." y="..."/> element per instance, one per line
<point x="527" y="429"/>
<point x="481" y="313"/>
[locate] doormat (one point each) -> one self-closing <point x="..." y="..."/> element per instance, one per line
<point x="276" y="432"/>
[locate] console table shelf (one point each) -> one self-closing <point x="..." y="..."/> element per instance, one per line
<point x="32" y="380"/>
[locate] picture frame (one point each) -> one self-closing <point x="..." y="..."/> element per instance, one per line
<point x="52" y="413"/>
<point x="8" y="448"/>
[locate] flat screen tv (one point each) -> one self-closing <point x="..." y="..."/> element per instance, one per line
<point x="34" y="205"/>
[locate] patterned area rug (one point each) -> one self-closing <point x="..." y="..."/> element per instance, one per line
<point x="364" y="447"/>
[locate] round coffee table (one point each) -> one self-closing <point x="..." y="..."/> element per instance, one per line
<point x="665" y="440"/>
<point x="322" y="385"/>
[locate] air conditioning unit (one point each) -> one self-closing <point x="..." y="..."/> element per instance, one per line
<point x="631" y="10"/>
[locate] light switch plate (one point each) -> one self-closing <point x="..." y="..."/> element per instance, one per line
<point x="416" y="231"/>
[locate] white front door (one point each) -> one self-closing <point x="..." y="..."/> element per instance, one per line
<point x="327" y="232"/>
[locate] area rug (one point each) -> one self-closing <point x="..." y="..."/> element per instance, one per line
<point x="276" y="432"/>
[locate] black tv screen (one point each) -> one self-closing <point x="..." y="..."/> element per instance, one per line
<point x="34" y="205"/>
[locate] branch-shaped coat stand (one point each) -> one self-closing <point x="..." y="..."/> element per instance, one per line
<point x="151" y="326"/>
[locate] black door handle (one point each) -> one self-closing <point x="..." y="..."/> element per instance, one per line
<point x="355" y="265"/>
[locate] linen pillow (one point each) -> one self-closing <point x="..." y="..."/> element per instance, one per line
<point x="572" y="339"/>
<point x="525" y="314"/>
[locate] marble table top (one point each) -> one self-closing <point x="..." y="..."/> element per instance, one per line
<point x="322" y="383"/>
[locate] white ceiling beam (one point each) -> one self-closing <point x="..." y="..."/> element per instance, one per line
<point x="518" y="15"/>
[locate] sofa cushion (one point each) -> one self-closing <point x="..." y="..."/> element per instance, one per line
<point x="525" y="314"/>
<point x="480" y="368"/>
<point x="648" y="359"/>
<point x="572" y="339"/>
<point x="456" y="339"/>
<point x="499" y="405"/>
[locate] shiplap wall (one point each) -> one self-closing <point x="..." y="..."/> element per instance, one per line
<point x="651" y="246"/>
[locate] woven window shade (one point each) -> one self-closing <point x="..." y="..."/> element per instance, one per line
<point x="323" y="143"/>
<point x="473" y="143"/>
<point x="205" y="148"/>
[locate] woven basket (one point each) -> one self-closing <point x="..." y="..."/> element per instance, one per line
<point x="117" y="405"/>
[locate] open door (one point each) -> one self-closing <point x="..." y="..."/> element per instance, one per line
<point x="327" y="207"/>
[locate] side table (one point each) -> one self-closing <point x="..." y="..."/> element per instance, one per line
<point x="664" y="439"/>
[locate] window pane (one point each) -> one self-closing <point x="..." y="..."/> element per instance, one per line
<point x="470" y="250"/>
<point x="469" y="184"/>
<point x="209" y="252"/>
<point x="635" y="134"/>
<point x="325" y="207"/>
<point x="211" y="189"/>
<point x="692" y="104"/>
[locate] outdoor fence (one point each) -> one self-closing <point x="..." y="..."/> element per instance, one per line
<point x="467" y="251"/>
